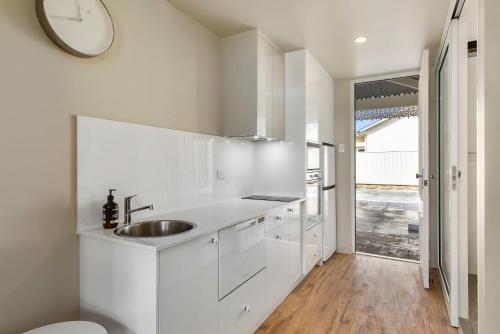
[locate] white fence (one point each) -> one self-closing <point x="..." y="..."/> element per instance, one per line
<point x="387" y="168"/>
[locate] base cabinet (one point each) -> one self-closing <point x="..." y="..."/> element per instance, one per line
<point x="188" y="294"/>
<point x="277" y="252"/>
<point x="312" y="247"/>
<point x="283" y="253"/>
<point x="132" y="290"/>
<point x="244" y="308"/>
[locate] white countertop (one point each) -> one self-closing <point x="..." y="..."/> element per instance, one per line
<point x="209" y="218"/>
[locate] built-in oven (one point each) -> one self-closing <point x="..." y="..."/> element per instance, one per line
<point x="313" y="157"/>
<point x="314" y="187"/>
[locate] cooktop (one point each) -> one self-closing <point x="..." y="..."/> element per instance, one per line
<point x="271" y="198"/>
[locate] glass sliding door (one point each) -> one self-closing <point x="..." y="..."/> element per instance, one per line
<point x="448" y="105"/>
<point x="444" y="76"/>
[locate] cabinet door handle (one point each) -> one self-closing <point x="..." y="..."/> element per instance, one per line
<point x="278" y="237"/>
<point x="214" y="241"/>
<point x="247" y="308"/>
<point x="290" y="210"/>
<point x="277" y="217"/>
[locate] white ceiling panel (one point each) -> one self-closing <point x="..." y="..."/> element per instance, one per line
<point x="397" y="30"/>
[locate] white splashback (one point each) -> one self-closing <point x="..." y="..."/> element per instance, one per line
<point x="170" y="169"/>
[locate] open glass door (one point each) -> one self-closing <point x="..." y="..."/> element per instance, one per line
<point x="423" y="164"/>
<point x="447" y="75"/>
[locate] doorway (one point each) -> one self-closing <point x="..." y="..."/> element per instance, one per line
<point x="386" y="162"/>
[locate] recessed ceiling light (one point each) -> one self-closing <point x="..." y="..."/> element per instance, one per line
<point x="361" y="39"/>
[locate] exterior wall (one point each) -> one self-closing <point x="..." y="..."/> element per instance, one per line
<point x="394" y="135"/>
<point x="396" y="168"/>
<point x="162" y="70"/>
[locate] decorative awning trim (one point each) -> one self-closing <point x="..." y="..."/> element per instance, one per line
<point x="384" y="113"/>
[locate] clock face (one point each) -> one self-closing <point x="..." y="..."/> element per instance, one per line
<point x="80" y="27"/>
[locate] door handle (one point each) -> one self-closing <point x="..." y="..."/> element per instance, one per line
<point x="419" y="176"/>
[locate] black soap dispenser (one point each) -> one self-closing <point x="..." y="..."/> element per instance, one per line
<point x="110" y="212"/>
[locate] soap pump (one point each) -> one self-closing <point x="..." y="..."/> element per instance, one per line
<point x="110" y="212"/>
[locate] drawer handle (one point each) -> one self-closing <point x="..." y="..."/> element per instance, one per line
<point x="290" y="210"/>
<point x="244" y="226"/>
<point x="214" y="241"/>
<point x="277" y="217"/>
<point x="247" y="308"/>
<point x="315" y="255"/>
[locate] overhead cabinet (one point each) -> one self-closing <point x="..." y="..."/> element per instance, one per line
<point x="253" y="86"/>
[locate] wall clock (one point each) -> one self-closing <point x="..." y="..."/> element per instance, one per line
<point x="82" y="28"/>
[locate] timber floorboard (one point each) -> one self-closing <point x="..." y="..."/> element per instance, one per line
<point x="361" y="294"/>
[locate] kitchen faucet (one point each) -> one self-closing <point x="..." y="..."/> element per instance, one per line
<point x="128" y="211"/>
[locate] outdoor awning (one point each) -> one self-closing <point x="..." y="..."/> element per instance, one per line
<point x="388" y="112"/>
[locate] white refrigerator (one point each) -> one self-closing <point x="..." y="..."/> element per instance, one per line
<point x="328" y="201"/>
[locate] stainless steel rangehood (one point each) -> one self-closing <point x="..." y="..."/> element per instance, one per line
<point x="253" y="87"/>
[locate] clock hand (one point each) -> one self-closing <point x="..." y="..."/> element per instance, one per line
<point x="79" y="10"/>
<point x="61" y="17"/>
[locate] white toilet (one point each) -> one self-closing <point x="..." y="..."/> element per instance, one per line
<point x="70" y="327"/>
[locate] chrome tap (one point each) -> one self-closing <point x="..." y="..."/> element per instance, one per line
<point x="128" y="211"/>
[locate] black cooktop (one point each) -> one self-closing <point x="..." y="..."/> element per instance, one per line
<point x="272" y="198"/>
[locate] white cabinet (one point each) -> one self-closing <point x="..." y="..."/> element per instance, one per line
<point x="188" y="294"/>
<point x="283" y="252"/>
<point x="277" y="252"/>
<point x="243" y="309"/>
<point x="242" y="253"/>
<point x="312" y="247"/>
<point x="253" y="87"/>
<point x="294" y="220"/>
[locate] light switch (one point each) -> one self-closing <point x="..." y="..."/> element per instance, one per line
<point x="342" y="148"/>
<point x="220" y="175"/>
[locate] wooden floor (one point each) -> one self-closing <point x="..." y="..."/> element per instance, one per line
<point x="362" y="294"/>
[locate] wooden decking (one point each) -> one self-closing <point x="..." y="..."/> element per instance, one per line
<point x="362" y="294"/>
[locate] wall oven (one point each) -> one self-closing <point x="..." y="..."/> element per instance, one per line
<point x="314" y="187"/>
<point x="313" y="157"/>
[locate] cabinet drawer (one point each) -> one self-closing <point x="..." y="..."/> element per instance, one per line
<point x="243" y="309"/>
<point x="312" y="247"/>
<point x="242" y="254"/>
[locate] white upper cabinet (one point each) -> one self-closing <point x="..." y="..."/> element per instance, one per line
<point x="309" y="96"/>
<point x="253" y="87"/>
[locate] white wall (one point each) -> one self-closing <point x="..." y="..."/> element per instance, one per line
<point x="171" y="169"/>
<point x="162" y="70"/>
<point x="400" y="134"/>
<point x="488" y="165"/>
<point x="393" y="167"/>
<point x="344" y="134"/>
<point x="472" y="166"/>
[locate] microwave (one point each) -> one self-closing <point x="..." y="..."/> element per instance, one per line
<point x="313" y="156"/>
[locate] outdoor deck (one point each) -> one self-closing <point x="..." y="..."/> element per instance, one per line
<point x="383" y="216"/>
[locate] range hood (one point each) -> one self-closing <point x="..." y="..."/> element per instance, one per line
<point x="253" y="88"/>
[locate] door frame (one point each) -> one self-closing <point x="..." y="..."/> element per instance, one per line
<point x="353" y="143"/>
<point x="450" y="290"/>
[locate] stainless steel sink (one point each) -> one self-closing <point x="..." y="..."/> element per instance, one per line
<point x="156" y="228"/>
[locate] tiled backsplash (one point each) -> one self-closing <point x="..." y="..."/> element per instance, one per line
<point x="170" y="169"/>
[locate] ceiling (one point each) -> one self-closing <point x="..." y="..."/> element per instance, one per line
<point x="385" y="88"/>
<point x="397" y="30"/>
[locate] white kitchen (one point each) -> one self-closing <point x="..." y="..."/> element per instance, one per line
<point x="187" y="166"/>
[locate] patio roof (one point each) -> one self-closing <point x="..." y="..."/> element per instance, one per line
<point x="389" y="112"/>
<point x="384" y="88"/>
